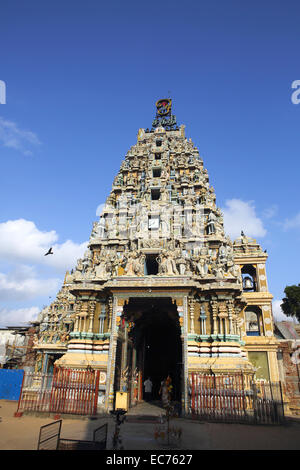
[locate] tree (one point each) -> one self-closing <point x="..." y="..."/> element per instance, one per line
<point x="291" y="301"/>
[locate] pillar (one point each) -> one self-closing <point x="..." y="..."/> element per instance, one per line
<point x="192" y="308"/>
<point x="214" y="306"/>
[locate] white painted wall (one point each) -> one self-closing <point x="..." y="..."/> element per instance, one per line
<point x="6" y="337"/>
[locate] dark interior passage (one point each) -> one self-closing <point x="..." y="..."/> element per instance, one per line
<point x="163" y="358"/>
<point x="158" y="342"/>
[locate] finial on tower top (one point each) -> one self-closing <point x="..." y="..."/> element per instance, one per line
<point x="164" y="118"/>
<point x="163" y="107"/>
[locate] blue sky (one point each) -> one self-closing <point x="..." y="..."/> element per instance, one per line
<point x="82" y="78"/>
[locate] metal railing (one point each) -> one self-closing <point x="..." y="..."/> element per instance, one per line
<point x="68" y="391"/>
<point x="235" y="398"/>
<point x="49" y="439"/>
<point x="49" y="436"/>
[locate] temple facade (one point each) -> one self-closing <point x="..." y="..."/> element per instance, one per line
<point x="161" y="289"/>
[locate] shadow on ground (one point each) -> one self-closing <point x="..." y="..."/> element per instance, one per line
<point x="139" y="431"/>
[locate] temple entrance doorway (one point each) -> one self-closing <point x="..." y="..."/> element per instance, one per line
<point x="156" y="337"/>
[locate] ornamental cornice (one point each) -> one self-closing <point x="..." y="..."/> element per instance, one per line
<point x="51" y="348"/>
<point x="253" y="258"/>
<point x="255" y="298"/>
<point x="146" y="293"/>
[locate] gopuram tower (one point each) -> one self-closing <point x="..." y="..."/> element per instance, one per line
<point x="158" y="290"/>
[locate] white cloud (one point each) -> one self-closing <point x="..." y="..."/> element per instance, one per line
<point x="21" y="284"/>
<point x="278" y="313"/>
<point x="66" y="255"/>
<point x="18" y="317"/>
<point x="12" y="136"/>
<point x="28" y="273"/>
<point x="270" y="212"/>
<point x="22" y="242"/>
<point x="240" y="215"/>
<point x="294" y="222"/>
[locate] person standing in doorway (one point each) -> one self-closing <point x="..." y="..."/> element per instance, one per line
<point x="148" y="389"/>
<point x="166" y="391"/>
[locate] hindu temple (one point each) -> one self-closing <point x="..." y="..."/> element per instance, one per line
<point x="161" y="289"/>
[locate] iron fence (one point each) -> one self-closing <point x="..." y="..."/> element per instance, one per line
<point x="49" y="436"/>
<point x="227" y="398"/>
<point x="49" y="439"/>
<point x="35" y="392"/>
<point x="74" y="391"/>
<point x="65" y="391"/>
<point x="235" y="398"/>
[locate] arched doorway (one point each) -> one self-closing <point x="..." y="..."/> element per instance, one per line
<point x="156" y="337"/>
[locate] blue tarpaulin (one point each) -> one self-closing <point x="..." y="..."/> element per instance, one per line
<point x="10" y="383"/>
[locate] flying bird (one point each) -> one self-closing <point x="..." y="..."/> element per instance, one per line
<point x="50" y="252"/>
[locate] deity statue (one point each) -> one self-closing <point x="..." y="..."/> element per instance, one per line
<point x="211" y="219"/>
<point x="87" y="260"/>
<point x="101" y="269"/>
<point x="79" y="266"/>
<point x="202" y="267"/>
<point x="126" y="164"/>
<point x="79" y="270"/>
<point x="139" y="265"/>
<point x="94" y="230"/>
<point x="181" y="262"/>
<point x="101" y="228"/>
<point x="234" y="270"/>
<point x="222" y="254"/>
<point x="119" y="181"/>
<point x="218" y="270"/>
<point x="130" y="265"/>
<point x="167" y="264"/>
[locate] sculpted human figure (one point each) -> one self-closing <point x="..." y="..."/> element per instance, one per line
<point x="134" y="264"/>
<point x="119" y="180"/>
<point x="222" y="253"/>
<point x="78" y="270"/>
<point x="126" y="164"/>
<point x="86" y="264"/>
<point x="94" y="230"/>
<point x="234" y="270"/>
<point x="138" y="265"/>
<point x="164" y="196"/>
<point x="129" y="268"/>
<point x="114" y="264"/>
<point x="202" y="267"/>
<point x="197" y="226"/>
<point x="130" y="180"/>
<point x="170" y="264"/>
<point x="196" y="176"/>
<point x="101" y="268"/>
<point x="196" y="249"/>
<point x="162" y="263"/>
<point x="218" y="270"/>
<point x="79" y="266"/>
<point x="180" y="262"/>
<point x="211" y="219"/>
<point x="101" y="227"/>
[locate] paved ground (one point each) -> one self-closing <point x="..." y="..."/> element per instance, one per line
<point x="138" y="432"/>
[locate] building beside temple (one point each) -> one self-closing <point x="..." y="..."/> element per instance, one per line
<point x="288" y="336"/>
<point x="161" y="289"/>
